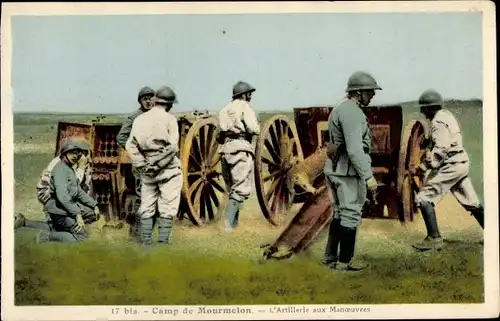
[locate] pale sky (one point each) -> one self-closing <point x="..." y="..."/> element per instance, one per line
<point x="98" y="63"/>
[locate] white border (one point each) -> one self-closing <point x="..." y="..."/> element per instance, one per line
<point x="491" y="246"/>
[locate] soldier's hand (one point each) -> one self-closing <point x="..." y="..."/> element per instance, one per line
<point x="372" y="185"/>
<point x="97" y="212"/>
<point x="428" y="156"/>
<point x="80" y="223"/>
<point x="331" y="150"/>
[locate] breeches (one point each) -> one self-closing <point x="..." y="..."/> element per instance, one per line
<point x="349" y="195"/>
<point x="237" y="170"/>
<point x="164" y="195"/>
<point x="450" y="177"/>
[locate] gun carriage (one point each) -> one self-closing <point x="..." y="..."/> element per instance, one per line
<point x="114" y="185"/>
<point x="291" y="154"/>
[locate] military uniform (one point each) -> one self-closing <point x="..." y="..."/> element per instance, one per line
<point x="122" y="138"/>
<point x="153" y="147"/>
<point x="124" y="132"/>
<point x="67" y="200"/>
<point x="449" y="169"/>
<point x="237" y="123"/>
<point x="348" y="171"/>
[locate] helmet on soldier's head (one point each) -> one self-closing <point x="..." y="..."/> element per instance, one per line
<point x="241" y="88"/>
<point x="165" y="95"/>
<point x="361" y="80"/>
<point x="73" y="144"/>
<point x="145" y="91"/>
<point x="429" y="98"/>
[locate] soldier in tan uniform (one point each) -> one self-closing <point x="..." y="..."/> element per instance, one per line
<point x="238" y="123"/>
<point x="449" y="169"/>
<point x="153" y="148"/>
<point x="348" y="172"/>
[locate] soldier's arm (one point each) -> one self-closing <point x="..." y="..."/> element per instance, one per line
<point x="251" y="121"/>
<point x="60" y="179"/>
<point x="132" y="148"/>
<point x="353" y="128"/>
<point x="441" y="142"/>
<point x="124" y="132"/>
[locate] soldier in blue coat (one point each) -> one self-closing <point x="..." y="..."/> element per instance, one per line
<point x="145" y="99"/>
<point x="348" y="172"/>
<point x="69" y="206"/>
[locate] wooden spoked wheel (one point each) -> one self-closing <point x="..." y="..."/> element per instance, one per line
<point x="409" y="178"/>
<point x="203" y="184"/>
<point x="278" y="150"/>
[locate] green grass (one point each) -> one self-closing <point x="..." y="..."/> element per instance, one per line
<point x="207" y="266"/>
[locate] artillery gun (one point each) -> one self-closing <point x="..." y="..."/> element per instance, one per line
<point x="291" y="154"/>
<point x="114" y="185"/>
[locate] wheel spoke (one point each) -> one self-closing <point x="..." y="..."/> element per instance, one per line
<point x="272" y="152"/>
<point x="208" y="202"/>
<point x="194" y="161"/>
<point x="270" y="176"/>
<point x="202" y="142"/>
<point x="213" y="196"/>
<point x="197" y="150"/>
<point x="194" y="186"/>
<point x="269" y="162"/>
<point x="272" y="189"/>
<point x="202" y="204"/>
<point x="197" y="173"/>
<point x="196" y="199"/>
<point x="217" y="186"/>
<point x="274" y="138"/>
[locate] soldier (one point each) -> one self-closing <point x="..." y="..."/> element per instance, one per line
<point x="68" y="206"/>
<point x="153" y="147"/>
<point x="449" y="169"/>
<point x="348" y="170"/>
<point x="145" y="100"/>
<point x="238" y="123"/>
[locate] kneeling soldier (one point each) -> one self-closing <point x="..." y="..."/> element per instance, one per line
<point x="449" y="169"/>
<point x="153" y="147"/>
<point x="68" y="206"/>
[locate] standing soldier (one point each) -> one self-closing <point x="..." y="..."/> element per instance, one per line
<point x="68" y="206"/>
<point x="449" y="169"/>
<point x="153" y="147"/>
<point x="348" y="170"/>
<point x="145" y="101"/>
<point x="238" y="123"/>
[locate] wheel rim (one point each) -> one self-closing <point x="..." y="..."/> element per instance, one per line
<point x="409" y="159"/>
<point x="203" y="185"/>
<point x="278" y="149"/>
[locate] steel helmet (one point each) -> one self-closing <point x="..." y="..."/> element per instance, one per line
<point x="145" y="91"/>
<point x="429" y="98"/>
<point x="72" y="144"/>
<point x="361" y="80"/>
<point x="241" y="88"/>
<point x="165" y="95"/>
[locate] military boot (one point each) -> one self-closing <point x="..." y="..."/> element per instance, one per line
<point x="478" y="214"/>
<point x="135" y="229"/>
<point x="19" y="221"/>
<point x="147" y="231"/>
<point x="347" y="247"/>
<point x="332" y="245"/>
<point x="433" y="239"/>
<point x="42" y="237"/>
<point x="164" y="229"/>
<point x="232" y="209"/>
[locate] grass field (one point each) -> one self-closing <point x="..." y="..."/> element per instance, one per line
<point x="207" y="266"/>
